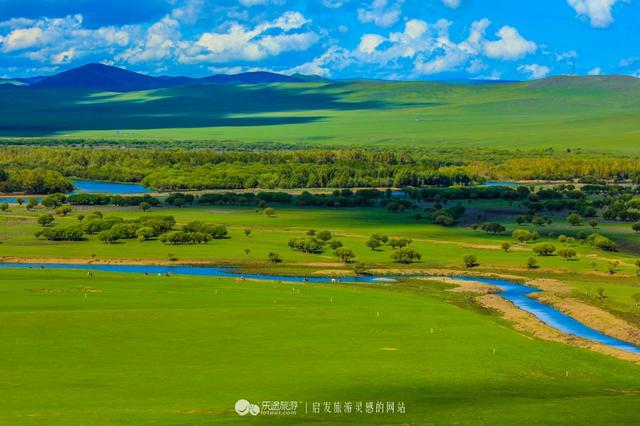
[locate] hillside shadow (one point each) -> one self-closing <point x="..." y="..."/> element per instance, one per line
<point x="46" y="112"/>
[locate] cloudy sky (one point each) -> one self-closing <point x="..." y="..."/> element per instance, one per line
<point x="391" y="39"/>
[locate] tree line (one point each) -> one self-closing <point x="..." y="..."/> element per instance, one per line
<point x="176" y="169"/>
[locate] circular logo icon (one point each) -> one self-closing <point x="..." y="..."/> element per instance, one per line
<point x="243" y="407"/>
<point x="255" y="410"/>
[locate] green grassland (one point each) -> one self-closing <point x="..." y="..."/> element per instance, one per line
<point x="595" y="113"/>
<point x="441" y="247"/>
<point x="134" y="349"/>
<point x="119" y="349"/>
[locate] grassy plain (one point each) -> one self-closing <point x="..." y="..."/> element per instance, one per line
<point x="441" y="247"/>
<point x="595" y="113"/>
<point x="129" y="349"/>
<point x="119" y="349"/>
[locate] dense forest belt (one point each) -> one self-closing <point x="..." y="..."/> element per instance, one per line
<point x="42" y="169"/>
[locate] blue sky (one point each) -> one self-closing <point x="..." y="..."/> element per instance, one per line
<point x="391" y="39"/>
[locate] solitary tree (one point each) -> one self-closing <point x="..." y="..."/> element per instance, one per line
<point x="505" y="246"/>
<point x="63" y="211"/>
<point x="335" y="244"/>
<point x="374" y="243"/>
<point x="275" y="257"/>
<point x="4" y="207"/>
<point x="522" y="235"/>
<point x="247" y="231"/>
<point x="32" y="203"/>
<point x="359" y="268"/>
<point x="324" y="235"/>
<point x="574" y="219"/>
<point x="144" y="206"/>
<point x="45" y="219"/>
<point x="532" y="263"/>
<point x="567" y="253"/>
<point x="269" y="211"/>
<point x="539" y="221"/>
<point x="470" y="261"/>
<point x="493" y="228"/>
<point x="544" y="249"/>
<point x="344" y="254"/>
<point x="406" y="255"/>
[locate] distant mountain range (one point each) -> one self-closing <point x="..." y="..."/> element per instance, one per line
<point x="114" y="79"/>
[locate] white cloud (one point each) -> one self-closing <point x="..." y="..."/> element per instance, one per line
<point x="22" y="38"/>
<point x="452" y="59"/>
<point x="598" y="11"/>
<point x="189" y="13"/>
<point x="370" y="42"/>
<point x="333" y="4"/>
<point x="453" y="4"/>
<point x="415" y="28"/>
<point x="476" y="66"/>
<point x="510" y="46"/>
<point x="451" y="55"/>
<point x="250" y="3"/>
<point x="535" y="71"/>
<point x="158" y="43"/>
<point x="429" y="47"/>
<point x="595" y="71"/>
<point x="64" y="57"/>
<point x="323" y="65"/>
<point x="381" y="13"/>
<point x="627" y="62"/>
<point x="60" y="40"/>
<point x="240" y="43"/>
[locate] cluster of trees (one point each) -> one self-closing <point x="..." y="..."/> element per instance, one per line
<point x="102" y="200"/>
<point x="110" y="230"/>
<point x="195" y="233"/>
<point x="444" y="216"/>
<point x="402" y="252"/>
<point x="546" y="249"/>
<point x="59" y="233"/>
<point x="182" y="169"/>
<point x="273" y="166"/>
<point x="468" y="193"/>
<point x="33" y="181"/>
<point x="339" y="198"/>
<point x="314" y="242"/>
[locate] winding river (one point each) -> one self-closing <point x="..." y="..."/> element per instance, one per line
<point x="514" y="292"/>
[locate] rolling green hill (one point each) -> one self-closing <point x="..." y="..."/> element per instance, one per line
<point x="597" y="113"/>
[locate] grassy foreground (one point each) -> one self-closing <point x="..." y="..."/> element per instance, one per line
<point x="124" y="349"/>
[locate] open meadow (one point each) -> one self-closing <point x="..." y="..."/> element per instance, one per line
<point x="561" y="113"/>
<point x="124" y="349"/>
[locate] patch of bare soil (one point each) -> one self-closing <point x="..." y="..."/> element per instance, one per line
<point x="594" y="317"/>
<point x="528" y="324"/>
<point x="466" y="286"/>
